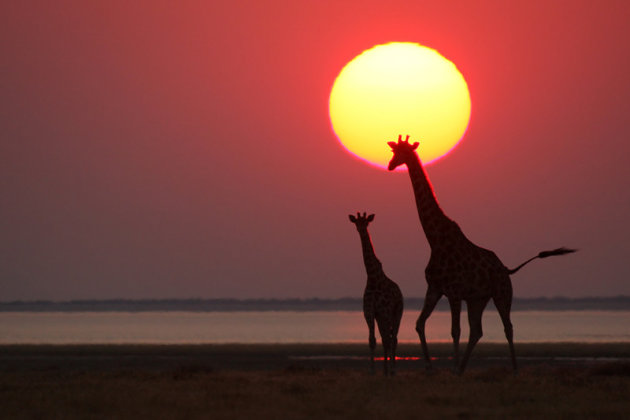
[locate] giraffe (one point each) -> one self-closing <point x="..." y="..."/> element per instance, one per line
<point x="382" y="299"/>
<point x="457" y="268"/>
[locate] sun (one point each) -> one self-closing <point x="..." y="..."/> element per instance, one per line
<point x="399" y="88"/>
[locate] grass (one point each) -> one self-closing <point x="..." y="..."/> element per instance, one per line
<point x="262" y="382"/>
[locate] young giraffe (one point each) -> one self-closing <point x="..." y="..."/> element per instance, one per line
<point x="382" y="299"/>
<point x="457" y="268"/>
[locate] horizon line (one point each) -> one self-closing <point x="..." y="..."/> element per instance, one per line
<point x="276" y="299"/>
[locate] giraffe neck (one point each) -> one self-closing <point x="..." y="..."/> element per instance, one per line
<point x="433" y="220"/>
<point x="372" y="264"/>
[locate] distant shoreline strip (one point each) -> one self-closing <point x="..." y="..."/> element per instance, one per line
<point x="617" y="303"/>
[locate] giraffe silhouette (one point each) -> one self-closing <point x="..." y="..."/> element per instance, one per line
<point x="458" y="269"/>
<point x="382" y="299"/>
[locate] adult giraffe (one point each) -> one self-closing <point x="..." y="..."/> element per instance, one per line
<point x="458" y="269"/>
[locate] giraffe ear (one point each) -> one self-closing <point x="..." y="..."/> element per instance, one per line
<point x="352" y="218"/>
<point x="370" y="218"/>
<point x="414" y="146"/>
<point x="392" y="144"/>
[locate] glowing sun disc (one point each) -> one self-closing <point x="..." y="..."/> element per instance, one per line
<point x="399" y="88"/>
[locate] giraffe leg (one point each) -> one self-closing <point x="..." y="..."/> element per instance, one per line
<point x="394" y="341"/>
<point x="369" y="319"/>
<point x="503" y="307"/>
<point x="396" y="325"/>
<point x="456" y="309"/>
<point x="430" y="300"/>
<point x="475" y="310"/>
<point x="387" y="356"/>
<point x="372" y="343"/>
<point x="385" y="338"/>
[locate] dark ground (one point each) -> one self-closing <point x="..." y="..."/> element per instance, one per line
<point x="310" y="381"/>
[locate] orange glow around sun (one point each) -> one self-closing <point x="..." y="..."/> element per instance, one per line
<point x="399" y="88"/>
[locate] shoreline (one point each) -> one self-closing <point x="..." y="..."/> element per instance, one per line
<point x="235" y="357"/>
<point x="557" y="303"/>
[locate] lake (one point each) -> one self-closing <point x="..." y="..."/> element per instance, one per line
<point x="293" y="327"/>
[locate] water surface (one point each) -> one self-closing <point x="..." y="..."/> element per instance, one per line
<point x="293" y="327"/>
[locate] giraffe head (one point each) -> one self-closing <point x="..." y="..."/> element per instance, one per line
<point x="403" y="152"/>
<point x="361" y="221"/>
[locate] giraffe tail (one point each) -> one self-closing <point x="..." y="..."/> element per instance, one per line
<point x="544" y="254"/>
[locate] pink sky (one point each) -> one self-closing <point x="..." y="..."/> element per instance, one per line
<point x="157" y="150"/>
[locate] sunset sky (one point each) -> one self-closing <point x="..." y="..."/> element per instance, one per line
<point x="184" y="150"/>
